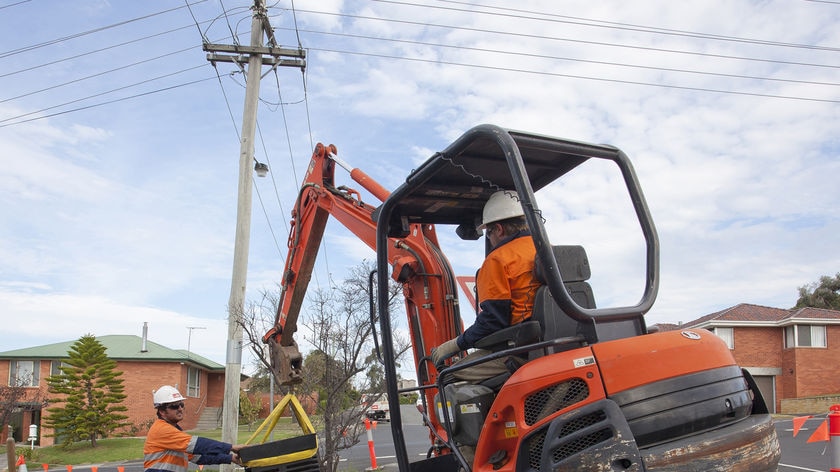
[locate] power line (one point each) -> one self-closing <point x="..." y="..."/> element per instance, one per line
<point x="3" y="125"/>
<point x="573" y="76"/>
<point x="100" y="94"/>
<point x="85" y="33"/>
<point x="98" y="74"/>
<point x="579" y="41"/>
<point x="88" y="53"/>
<point x="14" y="4"/>
<point x="587" y="61"/>
<point x="609" y="24"/>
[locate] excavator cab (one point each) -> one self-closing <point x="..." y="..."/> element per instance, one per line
<point x="598" y="392"/>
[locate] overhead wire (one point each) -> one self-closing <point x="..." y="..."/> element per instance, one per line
<point x="572" y="40"/>
<point x="14" y="4"/>
<point x="94" y="51"/>
<point x="494" y="51"/>
<point x="62" y="39"/>
<point x="572" y="59"/>
<point x="16" y="117"/>
<point x="579" y="21"/>
<point x="98" y="74"/>
<point x="95" y="105"/>
<point x="577" y="76"/>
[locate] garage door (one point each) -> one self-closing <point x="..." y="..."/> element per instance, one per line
<point x="766" y="384"/>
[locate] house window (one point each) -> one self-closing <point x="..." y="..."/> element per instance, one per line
<point x="193" y="382"/>
<point x="805" y="336"/>
<point x="24" y="373"/>
<point x="728" y="336"/>
<point x="55" y="367"/>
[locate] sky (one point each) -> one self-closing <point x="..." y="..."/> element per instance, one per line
<point x="119" y="144"/>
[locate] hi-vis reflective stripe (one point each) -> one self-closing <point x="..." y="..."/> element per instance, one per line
<point x="169" y="461"/>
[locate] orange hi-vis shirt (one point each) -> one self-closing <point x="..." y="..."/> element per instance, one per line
<point x="169" y="449"/>
<point x="506" y="288"/>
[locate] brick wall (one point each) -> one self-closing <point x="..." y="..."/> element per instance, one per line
<point x="758" y="347"/>
<point x="140" y="379"/>
<point x="809" y="405"/>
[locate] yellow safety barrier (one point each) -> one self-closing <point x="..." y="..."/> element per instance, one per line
<point x="292" y="450"/>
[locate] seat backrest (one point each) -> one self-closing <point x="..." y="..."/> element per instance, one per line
<point x="555" y="323"/>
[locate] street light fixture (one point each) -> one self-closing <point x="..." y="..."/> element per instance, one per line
<point x="260" y="168"/>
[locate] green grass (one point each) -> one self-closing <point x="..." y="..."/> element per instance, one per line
<point x="123" y="449"/>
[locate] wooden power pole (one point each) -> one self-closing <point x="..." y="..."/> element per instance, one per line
<point x="257" y="55"/>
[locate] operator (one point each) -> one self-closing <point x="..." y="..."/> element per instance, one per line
<point x="505" y="283"/>
<point x="169" y="449"/>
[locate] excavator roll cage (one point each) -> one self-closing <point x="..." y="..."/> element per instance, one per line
<point x="451" y="188"/>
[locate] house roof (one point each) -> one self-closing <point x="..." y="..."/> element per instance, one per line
<point x="118" y="347"/>
<point x="746" y="314"/>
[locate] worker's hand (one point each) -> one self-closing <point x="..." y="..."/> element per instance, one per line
<point x="444" y="351"/>
<point x="237" y="447"/>
<point x="235" y="459"/>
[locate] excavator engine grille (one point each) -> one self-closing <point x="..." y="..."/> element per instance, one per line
<point x="536" y="443"/>
<point x="550" y="400"/>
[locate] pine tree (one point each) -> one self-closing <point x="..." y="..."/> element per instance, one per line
<point x="91" y="394"/>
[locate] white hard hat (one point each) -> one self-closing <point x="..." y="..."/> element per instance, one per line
<point x="167" y="394"/>
<point x="500" y="206"/>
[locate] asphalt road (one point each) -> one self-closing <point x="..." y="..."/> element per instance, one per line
<point x="797" y="454"/>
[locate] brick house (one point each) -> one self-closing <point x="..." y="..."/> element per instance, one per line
<point x="145" y="366"/>
<point x="792" y="354"/>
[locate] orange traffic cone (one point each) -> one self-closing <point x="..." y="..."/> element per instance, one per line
<point x="21" y="464"/>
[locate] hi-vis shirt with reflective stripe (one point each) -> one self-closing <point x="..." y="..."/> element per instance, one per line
<point x="506" y="288"/>
<point x="168" y="449"/>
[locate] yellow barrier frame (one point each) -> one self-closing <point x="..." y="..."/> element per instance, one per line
<point x="271" y="421"/>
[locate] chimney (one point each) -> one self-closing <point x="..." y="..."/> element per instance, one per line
<point x="145" y="337"/>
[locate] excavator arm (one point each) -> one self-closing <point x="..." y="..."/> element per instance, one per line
<point x="317" y="200"/>
<point x="416" y="263"/>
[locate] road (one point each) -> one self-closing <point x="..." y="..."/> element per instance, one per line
<point x="797" y="454"/>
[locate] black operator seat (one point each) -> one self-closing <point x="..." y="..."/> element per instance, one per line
<point x="554" y="322"/>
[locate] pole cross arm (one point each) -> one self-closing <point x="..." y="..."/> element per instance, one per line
<point x="266" y="61"/>
<point x="266" y="50"/>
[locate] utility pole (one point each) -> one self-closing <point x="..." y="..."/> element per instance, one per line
<point x="257" y="56"/>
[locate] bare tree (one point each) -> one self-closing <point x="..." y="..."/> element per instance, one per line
<point x="337" y="326"/>
<point x="12" y="399"/>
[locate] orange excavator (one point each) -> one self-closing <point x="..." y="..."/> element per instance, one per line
<point x="600" y="391"/>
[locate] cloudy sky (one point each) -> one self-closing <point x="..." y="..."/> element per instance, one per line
<point x="119" y="144"/>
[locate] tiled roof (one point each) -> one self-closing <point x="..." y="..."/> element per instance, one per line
<point x="118" y="347"/>
<point x="814" y="314"/>
<point x="762" y="315"/>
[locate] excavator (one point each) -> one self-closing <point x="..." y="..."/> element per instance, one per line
<point x="599" y="391"/>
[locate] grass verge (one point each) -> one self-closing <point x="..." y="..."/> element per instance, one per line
<point x="125" y="449"/>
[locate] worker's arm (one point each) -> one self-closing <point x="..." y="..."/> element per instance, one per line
<point x="209" y="451"/>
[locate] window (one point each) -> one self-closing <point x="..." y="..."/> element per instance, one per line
<point x="55" y="367"/>
<point x="728" y="336"/>
<point x="193" y="382"/>
<point x="805" y="336"/>
<point x="24" y="373"/>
